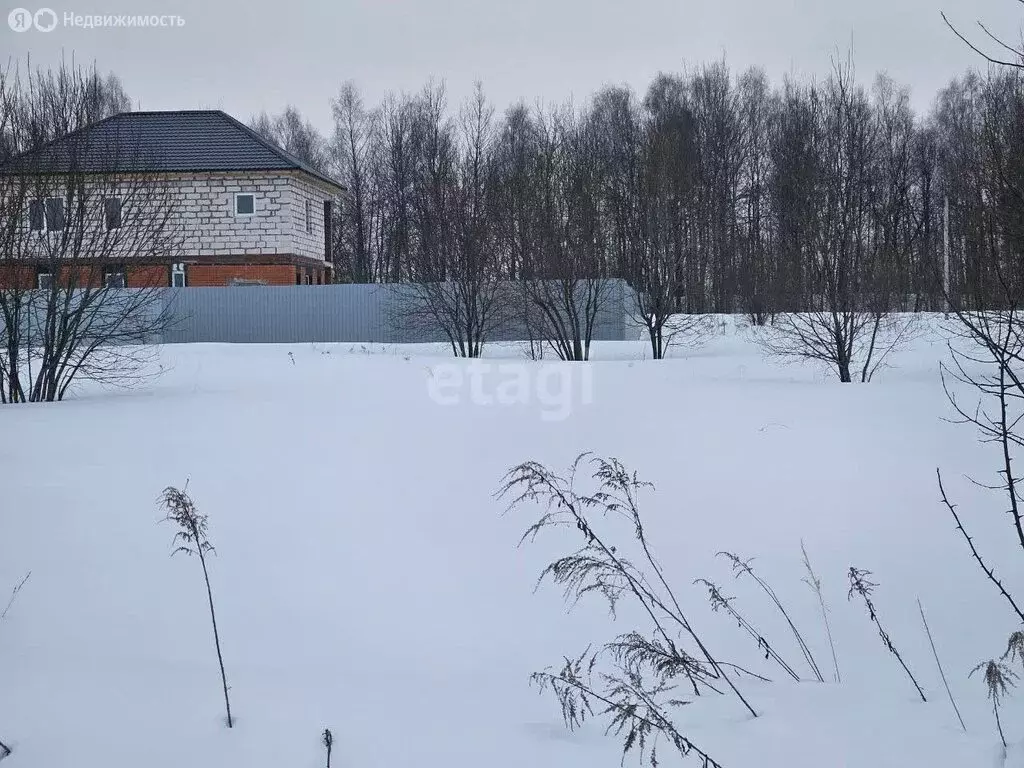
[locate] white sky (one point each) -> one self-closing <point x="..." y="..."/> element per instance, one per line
<point x="246" y="56"/>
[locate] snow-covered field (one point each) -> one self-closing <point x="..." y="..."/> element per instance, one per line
<point x="367" y="581"/>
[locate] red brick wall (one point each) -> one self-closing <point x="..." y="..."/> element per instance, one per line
<point x="158" y="275"/>
<point x="154" y="276"/>
<point x="138" y="277"/>
<point x="26" y="277"/>
<point x="81" y="277"/>
<point x="17" y="277"/>
<point x="212" y="275"/>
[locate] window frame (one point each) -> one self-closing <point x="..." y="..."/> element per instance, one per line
<point x="309" y="216"/>
<point x="176" y="270"/>
<point x="234" y="208"/>
<point x="40" y="275"/>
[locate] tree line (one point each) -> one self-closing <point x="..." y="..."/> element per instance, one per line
<point x="711" y="192"/>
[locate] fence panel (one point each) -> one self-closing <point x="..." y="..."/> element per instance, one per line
<point x="330" y="313"/>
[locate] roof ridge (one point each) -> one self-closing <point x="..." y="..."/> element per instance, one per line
<point x="134" y="112"/>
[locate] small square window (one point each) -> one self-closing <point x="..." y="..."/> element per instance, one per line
<point x="245" y="204"/>
<point x="114" y="278"/>
<point x="112" y="212"/>
<point x="309" y="216"/>
<point x="44" y="281"/>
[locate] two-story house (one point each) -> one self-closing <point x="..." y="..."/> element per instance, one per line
<point x="236" y="209"/>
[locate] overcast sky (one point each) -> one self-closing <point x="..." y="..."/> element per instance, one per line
<point x="245" y="56"/>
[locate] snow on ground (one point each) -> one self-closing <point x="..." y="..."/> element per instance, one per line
<point x="366" y="580"/>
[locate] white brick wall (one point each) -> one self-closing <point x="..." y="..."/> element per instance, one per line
<point x="204" y="214"/>
<point x="305" y="243"/>
<point x="203" y="219"/>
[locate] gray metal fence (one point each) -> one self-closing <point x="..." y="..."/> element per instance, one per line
<point x="333" y="313"/>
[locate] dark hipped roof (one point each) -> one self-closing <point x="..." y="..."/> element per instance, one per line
<point x="155" y="142"/>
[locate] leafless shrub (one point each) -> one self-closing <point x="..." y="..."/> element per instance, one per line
<point x="633" y="675"/>
<point x="860" y="585"/>
<point x="854" y="344"/>
<point x="190" y="540"/>
<point x="998" y="678"/>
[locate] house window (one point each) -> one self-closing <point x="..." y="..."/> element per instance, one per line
<point x="36" y="221"/>
<point x="245" y="204"/>
<point x="44" y="280"/>
<point x="114" y="278"/>
<point x="54" y="214"/>
<point x="46" y="215"/>
<point x="309" y="216"/>
<point x="112" y="213"/>
<point x="178" y="276"/>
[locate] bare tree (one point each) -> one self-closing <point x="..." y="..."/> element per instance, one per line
<point x="566" y="282"/>
<point x="987" y="349"/>
<point x="354" y="137"/>
<point x="294" y="134"/>
<point x="720" y="157"/>
<point x="715" y="193"/>
<point x="394" y="162"/>
<point x="521" y="158"/>
<point x="1009" y="56"/>
<point x="756" y="268"/>
<point x="825" y="218"/>
<point x="457" y="287"/>
<point x="666" y="195"/>
<point x="75" y="212"/>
